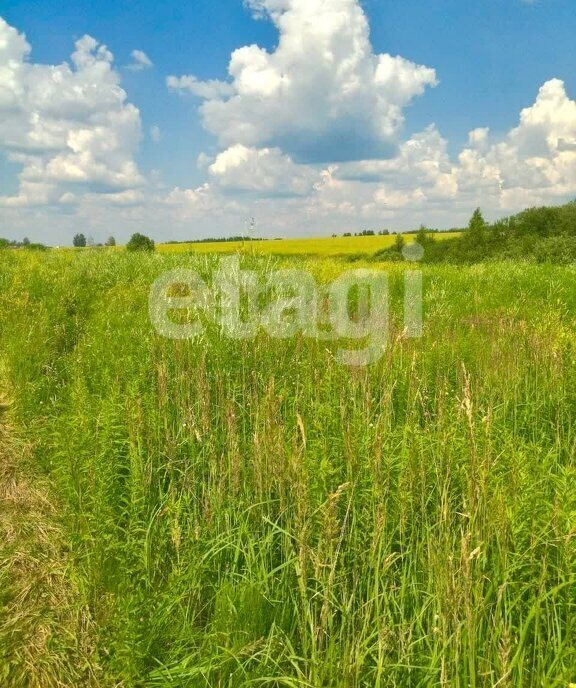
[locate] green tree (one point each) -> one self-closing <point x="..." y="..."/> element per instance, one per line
<point x="477" y="228"/>
<point x="399" y="243"/>
<point x="111" y="241"/>
<point x="79" y="241"/>
<point x="423" y="236"/>
<point x="139" y="242"/>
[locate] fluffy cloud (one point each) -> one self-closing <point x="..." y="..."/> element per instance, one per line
<point x="322" y="95"/>
<point x="266" y="171"/>
<point x="535" y="162"/>
<point x="66" y="125"/>
<point x="422" y="184"/>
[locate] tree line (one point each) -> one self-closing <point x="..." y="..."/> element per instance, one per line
<point x="541" y="234"/>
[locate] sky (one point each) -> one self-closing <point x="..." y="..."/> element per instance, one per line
<point x="186" y="120"/>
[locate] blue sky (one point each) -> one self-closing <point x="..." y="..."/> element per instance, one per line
<point x="308" y="175"/>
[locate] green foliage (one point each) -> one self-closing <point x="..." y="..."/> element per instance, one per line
<point x="392" y="254"/>
<point x="536" y="234"/>
<point x="559" y="249"/>
<point x="252" y="513"/>
<point x="388" y="255"/>
<point x="477" y="228"/>
<point x="424" y="237"/>
<point x="139" y="242"/>
<point x="79" y="241"/>
<point x="111" y="241"/>
<point x="25" y="243"/>
<point x="35" y="247"/>
<point x="399" y="243"/>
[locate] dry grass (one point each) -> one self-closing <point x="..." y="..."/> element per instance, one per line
<point x="45" y="634"/>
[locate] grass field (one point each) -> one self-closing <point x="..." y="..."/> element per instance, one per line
<point x="325" y="247"/>
<point x="252" y="513"/>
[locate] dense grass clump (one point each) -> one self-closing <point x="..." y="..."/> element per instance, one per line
<point x="254" y="513"/>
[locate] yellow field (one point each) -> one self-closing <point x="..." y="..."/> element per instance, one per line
<point x="338" y="246"/>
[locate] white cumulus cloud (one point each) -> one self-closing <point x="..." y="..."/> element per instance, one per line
<point x="266" y="171"/>
<point x="535" y="162"/>
<point x="66" y="125"/>
<point x="322" y="95"/>
<point x="310" y="141"/>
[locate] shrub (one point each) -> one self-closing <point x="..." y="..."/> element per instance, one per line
<point x="139" y="242"/>
<point x="387" y="255"/>
<point x="35" y="247"/>
<point x="399" y="243"/>
<point x="560" y="250"/>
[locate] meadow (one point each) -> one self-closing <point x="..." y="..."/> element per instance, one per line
<point x="359" y="246"/>
<point x="221" y="513"/>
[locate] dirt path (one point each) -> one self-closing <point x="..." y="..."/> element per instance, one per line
<point x="45" y="630"/>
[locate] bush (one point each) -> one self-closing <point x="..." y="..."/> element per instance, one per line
<point x="387" y="255"/>
<point x="543" y="235"/>
<point x="560" y="250"/>
<point x="35" y="247"/>
<point x="139" y="242"/>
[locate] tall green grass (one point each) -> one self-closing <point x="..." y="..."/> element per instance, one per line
<point x="252" y="513"/>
